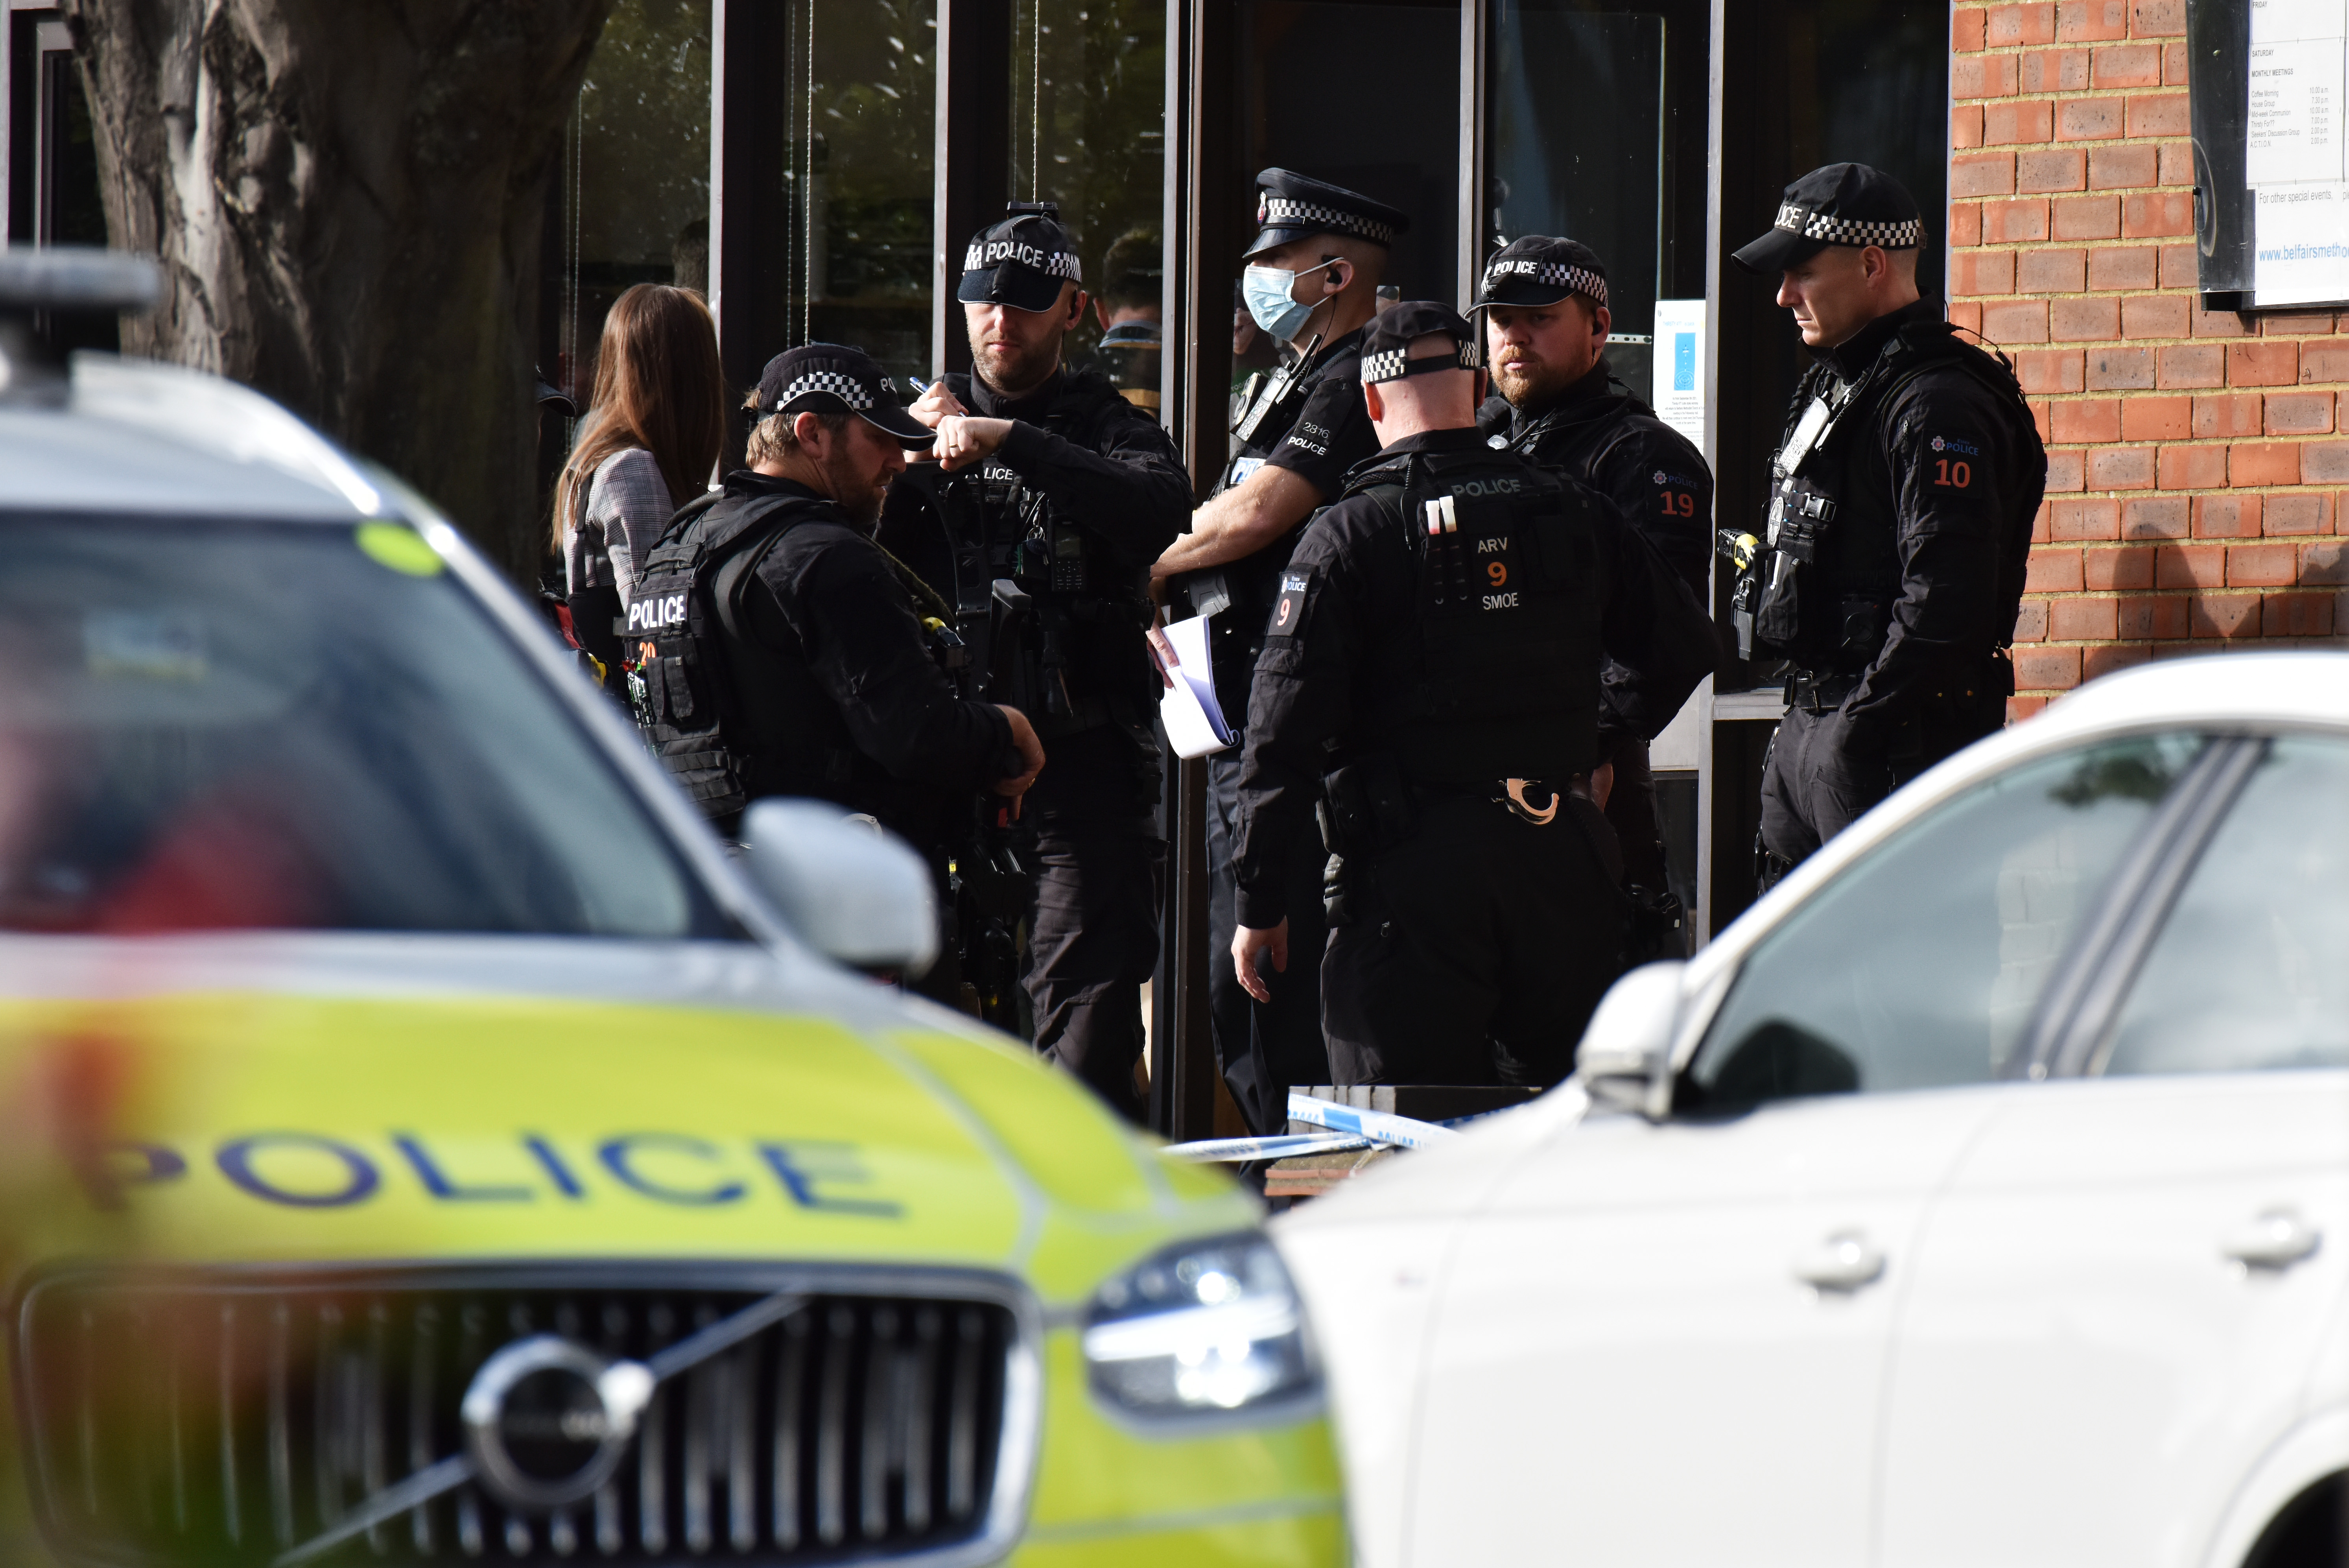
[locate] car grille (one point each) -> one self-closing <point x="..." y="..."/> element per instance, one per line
<point x="220" y="1419"/>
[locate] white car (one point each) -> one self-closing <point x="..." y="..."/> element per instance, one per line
<point x="1979" y="1198"/>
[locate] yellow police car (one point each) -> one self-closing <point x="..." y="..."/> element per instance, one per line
<point x="420" y="1141"/>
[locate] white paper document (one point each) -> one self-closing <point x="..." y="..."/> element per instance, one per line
<point x="1679" y="367"/>
<point x="1194" y="720"/>
<point x="2300" y="251"/>
<point x="2279" y="21"/>
<point x="2293" y="123"/>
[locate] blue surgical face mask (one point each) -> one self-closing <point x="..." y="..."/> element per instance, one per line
<point x="1268" y="292"/>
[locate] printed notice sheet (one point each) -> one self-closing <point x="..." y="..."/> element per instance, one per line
<point x="2295" y="120"/>
<point x="2302" y="244"/>
<point x="2293" y="158"/>
<point x="1679" y="367"/>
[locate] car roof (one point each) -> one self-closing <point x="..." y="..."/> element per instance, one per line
<point x="136" y="436"/>
<point x="2260" y="690"/>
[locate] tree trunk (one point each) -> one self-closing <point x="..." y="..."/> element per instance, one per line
<point x="348" y="197"/>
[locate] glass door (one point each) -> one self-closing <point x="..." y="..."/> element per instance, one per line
<point x="1088" y="132"/>
<point x="857" y="116"/>
<point x="634" y="205"/>
<point x="1595" y="128"/>
<point x="1366" y="96"/>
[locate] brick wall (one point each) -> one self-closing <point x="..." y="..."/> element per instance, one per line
<point x="2190" y="453"/>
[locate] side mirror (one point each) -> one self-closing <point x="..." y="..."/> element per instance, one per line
<point x="1625" y="1060"/>
<point x="853" y="892"/>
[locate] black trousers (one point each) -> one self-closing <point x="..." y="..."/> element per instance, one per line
<point x="1092" y="940"/>
<point x="1263" y="1049"/>
<point x="1477" y="949"/>
<point x="1821" y="774"/>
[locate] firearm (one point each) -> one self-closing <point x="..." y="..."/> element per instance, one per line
<point x="990" y="890"/>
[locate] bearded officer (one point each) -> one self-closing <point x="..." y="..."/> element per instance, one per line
<point x="1431" y="679"/>
<point x="1311" y="284"/>
<point x="1556" y="403"/>
<point x="815" y="636"/>
<point x="1891" y="565"/>
<point x="1053" y="494"/>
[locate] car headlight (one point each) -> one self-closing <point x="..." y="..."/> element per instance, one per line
<point x="1200" y="1328"/>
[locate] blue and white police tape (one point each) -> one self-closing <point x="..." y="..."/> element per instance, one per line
<point x="1348" y="1128"/>
<point x="1281" y="1146"/>
<point x="1379" y="1126"/>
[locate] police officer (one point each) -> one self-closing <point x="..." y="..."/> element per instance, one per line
<point x="1557" y="404"/>
<point x="788" y="653"/>
<point x="1889" y="567"/>
<point x="1311" y="285"/>
<point x="1431" y="673"/>
<point x="1053" y="494"/>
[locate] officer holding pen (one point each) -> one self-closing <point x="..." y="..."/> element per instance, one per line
<point x="1052" y="496"/>
<point x="1311" y="285"/>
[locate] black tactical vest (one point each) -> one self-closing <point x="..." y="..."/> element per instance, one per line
<point x="1577" y="437"/>
<point x="1828" y="574"/>
<point x="1497" y="677"/>
<point x="1241" y="594"/>
<point x="1053" y="615"/>
<point x="732" y="719"/>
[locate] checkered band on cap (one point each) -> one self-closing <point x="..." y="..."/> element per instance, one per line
<point x="1908" y="235"/>
<point x="1549" y="274"/>
<point x="848" y="389"/>
<point x="1394" y="364"/>
<point x="1287" y="213"/>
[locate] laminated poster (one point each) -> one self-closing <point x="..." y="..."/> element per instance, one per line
<point x="1679" y="367"/>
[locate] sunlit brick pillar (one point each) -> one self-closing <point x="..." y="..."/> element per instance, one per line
<point x="2192" y="455"/>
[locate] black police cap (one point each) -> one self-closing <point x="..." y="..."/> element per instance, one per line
<point x="836" y="379"/>
<point x="1540" y="269"/>
<point x="1021" y="261"/>
<point x="1290" y="206"/>
<point x="1386" y="346"/>
<point x="1841" y="204"/>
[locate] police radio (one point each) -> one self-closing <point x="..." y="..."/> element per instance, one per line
<point x="1274" y="394"/>
<point x="1740" y="549"/>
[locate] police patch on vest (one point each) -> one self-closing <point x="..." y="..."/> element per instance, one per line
<point x="1289" y="610"/>
<point x="653" y="614"/>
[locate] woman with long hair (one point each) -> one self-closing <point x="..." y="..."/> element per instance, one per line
<point x="651" y="437"/>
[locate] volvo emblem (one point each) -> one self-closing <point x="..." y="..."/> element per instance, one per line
<point x="547" y="1420"/>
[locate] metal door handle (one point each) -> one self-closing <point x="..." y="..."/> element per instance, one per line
<point x="2276" y="1240"/>
<point x="1844" y="1262"/>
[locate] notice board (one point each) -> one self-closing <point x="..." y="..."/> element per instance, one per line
<point x="2271" y="161"/>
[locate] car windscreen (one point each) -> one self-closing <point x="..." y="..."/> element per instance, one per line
<point x="208" y="725"/>
<point x="1919" y="965"/>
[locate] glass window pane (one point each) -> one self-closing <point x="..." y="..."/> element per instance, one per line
<point x="636" y="174"/>
<point x="1618" y="163"/>
<point x="859" y="118"/>
<point x="1088" y="131"/>
<point x="1920" y="966"/>
<point x="1366" y="97"/>
<point x="2251" y="970"/>
<point x="272" y="727"/>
